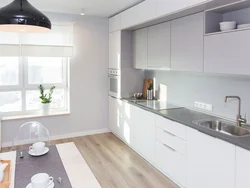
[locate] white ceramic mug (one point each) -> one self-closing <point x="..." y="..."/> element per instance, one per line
<point x="38" y="147"/>
<point x="41" y="180"/>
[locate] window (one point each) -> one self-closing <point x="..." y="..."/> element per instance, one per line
<point x="20" y="78"/>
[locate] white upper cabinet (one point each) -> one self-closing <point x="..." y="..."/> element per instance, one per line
<point x="115" y="23"/>
<point x="210" y="162"/>
<point x="159" y="46"/>
<point x="115" y="50"/>
<point x="140" y="47"/>
<point x="139" y="14"/>
<point x="187" y="43"/>
<point x="228" y="53"/>
<point x="242" y="168"/>
<point x="165" y="7"/>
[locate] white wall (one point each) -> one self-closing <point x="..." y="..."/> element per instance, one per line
<point x="185" y="88"/>
<point x="88" y="80"/>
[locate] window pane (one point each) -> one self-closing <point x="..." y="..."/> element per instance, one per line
<point x="33" y="101"/>
<point x="9" y="71"/>
<point x="45" y="70"/>
<point x="11" y="101"/>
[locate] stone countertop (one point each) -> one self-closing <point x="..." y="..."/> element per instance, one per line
<point x="186" y="117"/>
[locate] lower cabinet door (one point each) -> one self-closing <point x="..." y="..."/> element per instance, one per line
<point x="171" y="162"/>
<point x="210" y="161"/>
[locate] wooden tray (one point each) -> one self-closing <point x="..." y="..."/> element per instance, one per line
<point x="7" y="174"/>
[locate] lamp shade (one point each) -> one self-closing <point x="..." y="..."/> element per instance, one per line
<point x="21" y="16"/>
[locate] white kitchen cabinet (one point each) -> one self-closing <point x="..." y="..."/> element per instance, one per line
<point x="139" y="14"/>
<point x="120" y="53"/>
<point x="165" y="7"/>
<point x="113" y="115"/>
<point x="210" y="161"/>
<point x="187" y="43"/>
<point x="242" y="168"/>
<point x="115" y="23"/>
<point x="227" y="53"/>
<point x="159" y="46"/>
<point x="115" y="50"/>
<point x="140" y="50"/>
<point x="143" y="132"/>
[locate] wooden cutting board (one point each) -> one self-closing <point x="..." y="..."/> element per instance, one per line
<point x="147" y="82"/>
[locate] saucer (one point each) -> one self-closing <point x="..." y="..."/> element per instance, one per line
<point x="50" y="186"/>
<point x="31" y="152"/>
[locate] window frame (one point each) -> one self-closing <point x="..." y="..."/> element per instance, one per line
<point x="23" y="87"/>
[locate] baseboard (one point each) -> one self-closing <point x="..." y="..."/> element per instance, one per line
<point x="64" y="136"/>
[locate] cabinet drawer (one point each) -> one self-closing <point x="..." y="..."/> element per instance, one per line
<point x="171" y="140"/>
<point x="171" y="162"/>
<point x="171" y="127"/>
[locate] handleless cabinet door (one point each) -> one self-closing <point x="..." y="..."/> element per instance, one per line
<point x="242" y="168"/>
<point x="115" y="50"/>
<point x="115" y="23"/>
<point x="228" y="53"/>
<point x="140" y="44"/>
<point x="159" y="46"/>
<point x="210" y="161"/>
<point x="187" y="43"/>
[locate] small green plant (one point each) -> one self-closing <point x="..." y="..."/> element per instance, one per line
<point x="46" y="97"/>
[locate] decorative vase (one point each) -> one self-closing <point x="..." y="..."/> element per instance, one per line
<point x="46" y="108"/>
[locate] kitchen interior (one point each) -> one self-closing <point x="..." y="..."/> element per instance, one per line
<point x="179" y="89"/>
<point x="124" y="94"/>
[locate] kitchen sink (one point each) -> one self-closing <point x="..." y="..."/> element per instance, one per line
<point x="224" y="127"/>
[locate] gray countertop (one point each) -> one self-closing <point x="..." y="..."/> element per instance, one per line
<point x="186" y="117"/>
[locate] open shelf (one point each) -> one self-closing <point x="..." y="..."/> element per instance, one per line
<point x="238" y="11"/>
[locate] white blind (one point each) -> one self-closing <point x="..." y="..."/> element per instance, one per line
<point x="56" y="43"/>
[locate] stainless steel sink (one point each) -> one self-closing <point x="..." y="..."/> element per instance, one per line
<point x="224" y="127"/>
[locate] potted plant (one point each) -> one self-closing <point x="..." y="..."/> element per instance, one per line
<point x="46" y="98"/>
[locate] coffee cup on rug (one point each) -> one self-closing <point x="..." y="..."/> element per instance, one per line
<point x="41" y="180"/>
<point x="38" y="147"/>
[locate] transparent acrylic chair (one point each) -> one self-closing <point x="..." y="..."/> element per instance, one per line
<point x="30" y="133"/>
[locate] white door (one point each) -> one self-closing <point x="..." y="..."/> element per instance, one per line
<point x="159" y="46"/>
<point x="210" y="161"/>
<point x="143" y="129"/>
<point x="242" y="168"/>
<point x="140" y="50"/>
<point x="115" y="50"/>
<point x="187" y="43"/>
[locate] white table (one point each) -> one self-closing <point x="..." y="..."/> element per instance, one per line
<point x="74" y="164"/>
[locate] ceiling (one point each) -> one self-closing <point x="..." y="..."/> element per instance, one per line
<point x="103" y="8"/>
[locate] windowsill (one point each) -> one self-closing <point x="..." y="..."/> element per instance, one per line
<point x="20" y="117"/>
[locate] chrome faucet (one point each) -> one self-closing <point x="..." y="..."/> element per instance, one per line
<point x="239" y="120"/>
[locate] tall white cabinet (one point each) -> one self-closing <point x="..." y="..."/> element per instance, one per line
<point x="210" y="161"/>
<point x="140" y="49"/>
<point x="187" y="43"/>
<point x="159" y="46"/>
<point x="115" y="50"/>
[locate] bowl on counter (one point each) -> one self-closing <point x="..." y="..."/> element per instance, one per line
<point x="138" y="95"/>
<point x="226" y="26"/>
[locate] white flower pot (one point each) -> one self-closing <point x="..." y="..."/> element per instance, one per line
<point x="45" y="109"/>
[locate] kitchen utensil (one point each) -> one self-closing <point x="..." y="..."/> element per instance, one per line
<point x="147" y="82"/>
<point x="21" y="154"/>
<point x="138" y="95"/>
<point x="59" y="180"/>
<point x="225" y="26"/>
<point x="37" y="148"/>
<point x="41" y="180"/>
<point x="32" y="153"/>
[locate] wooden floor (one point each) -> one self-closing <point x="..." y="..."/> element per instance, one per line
<point x="115" y="165"/>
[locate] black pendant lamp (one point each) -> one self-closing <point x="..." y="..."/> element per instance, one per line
<point x="21" y="16"/>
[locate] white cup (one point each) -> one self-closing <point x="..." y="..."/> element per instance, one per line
<point x="41" y="180"/>
<point x="38" y="147"/>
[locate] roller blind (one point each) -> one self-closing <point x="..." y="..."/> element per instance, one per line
<point x="56" y="43"/>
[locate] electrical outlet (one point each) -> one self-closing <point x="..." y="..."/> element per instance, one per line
<point x="203" y="106"/>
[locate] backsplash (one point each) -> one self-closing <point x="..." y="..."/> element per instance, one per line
<point x="184" y="88"/>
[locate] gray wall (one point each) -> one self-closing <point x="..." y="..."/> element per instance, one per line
<point x="185" y="88"/>
<point x="88" y="80"/>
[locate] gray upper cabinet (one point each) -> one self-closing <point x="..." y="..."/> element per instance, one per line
<point x="187" y="43"/>
<point x="228" y="53"/>
<point x="159" y="46"/>
<point x="140" y="46"/>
